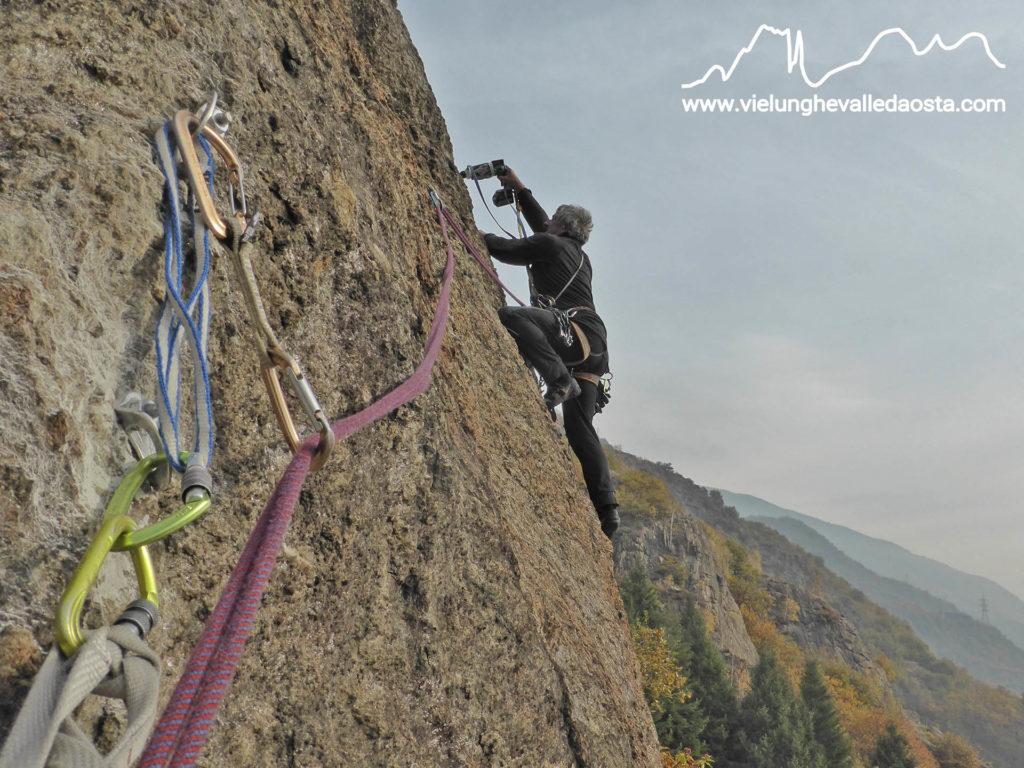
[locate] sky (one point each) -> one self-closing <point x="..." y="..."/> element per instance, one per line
<point x="822" y="310"/>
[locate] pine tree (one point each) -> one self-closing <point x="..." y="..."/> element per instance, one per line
<point x="679" y="724"/>
<point x="827" y="730"/>
<point x="775" y="724"/>
<point x="892" y="750"/>
<point x="712" y="689"/>
<point x="678" y="719"/>
<point x="641" y="598"/>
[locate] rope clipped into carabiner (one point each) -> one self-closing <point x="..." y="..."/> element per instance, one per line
<point x="181" y="733"/>
<point x="450" y="218"/>
<point x="273" y="357"/>
<point x="183" y="322"/>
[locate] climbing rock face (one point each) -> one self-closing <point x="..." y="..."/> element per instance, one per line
<point x="445" y="595"/>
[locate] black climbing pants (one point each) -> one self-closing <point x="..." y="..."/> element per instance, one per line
<point x="536" y="333"/>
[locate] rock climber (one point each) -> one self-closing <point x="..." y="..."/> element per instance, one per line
<point x="561" y="335"/>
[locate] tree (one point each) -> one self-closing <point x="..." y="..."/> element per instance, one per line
<point x="775" y="724"/>
<point x="641" y="598"/>
<point x="827" y="730"/>
<point x="953" y="752"/>
<point x="712" y="689"/>
<point x="645" y="495"/>
<point x="892" y="751"/>
<point x="662" y="680"/>
<point x="684" y="759"/>
<point x="679" y="722"/>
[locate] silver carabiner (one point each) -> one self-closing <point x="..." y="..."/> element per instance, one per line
<point x="137" y="418"/>
<point x="220" y="118"/>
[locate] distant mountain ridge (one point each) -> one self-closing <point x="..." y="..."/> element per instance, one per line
<point x="950" y="633"/>
<point x="962" y="590"/>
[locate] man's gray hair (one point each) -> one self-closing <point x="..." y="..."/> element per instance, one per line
<point x="577" y="221"/>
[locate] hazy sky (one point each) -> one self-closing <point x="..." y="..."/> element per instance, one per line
<point x="823" y="311"/>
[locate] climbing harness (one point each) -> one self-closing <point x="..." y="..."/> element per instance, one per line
<point x="579" y="334"/>
<point x="563" y="316"/>
<point x="603" y="384"/>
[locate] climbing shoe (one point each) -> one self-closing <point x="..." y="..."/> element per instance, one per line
<point x="560" y="391"/>
<point x="609" y="516"/>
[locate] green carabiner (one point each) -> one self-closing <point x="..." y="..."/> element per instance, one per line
<point x="69" y="610"/>
<point x="125" y="494"/>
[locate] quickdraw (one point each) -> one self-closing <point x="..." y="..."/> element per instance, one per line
<point x="184" y="318"/>
<point x="273" y="358"/>
<point x="235" y="233"/>
<point x="119" y="533"/>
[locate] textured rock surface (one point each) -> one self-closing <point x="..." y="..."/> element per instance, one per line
<point x="446" y="596"/>
<point x="815" y="624"/>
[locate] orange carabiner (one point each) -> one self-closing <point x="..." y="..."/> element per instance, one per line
<point x="278" y="358"/>
<point x="184" y="123"/>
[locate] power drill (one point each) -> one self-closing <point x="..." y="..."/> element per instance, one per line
<point x="484" y="170"/>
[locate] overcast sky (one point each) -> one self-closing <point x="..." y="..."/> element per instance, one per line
<point x="823" y="311"/>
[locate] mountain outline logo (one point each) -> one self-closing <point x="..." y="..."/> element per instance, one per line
<point x="795" y="53"/>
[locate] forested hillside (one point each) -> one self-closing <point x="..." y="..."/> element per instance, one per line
<point x="799" y="615"/>
<point x="951" y="634"/>
<point x="972" y="595"/>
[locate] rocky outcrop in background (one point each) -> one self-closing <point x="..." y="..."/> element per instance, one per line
<point x="680" y="549"/>
<point x="446" y="596"/>
<point x="804" y="608"/>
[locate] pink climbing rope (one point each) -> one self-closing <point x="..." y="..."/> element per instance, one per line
<point x="179" y="736"/>
<point x="473" y="252"/>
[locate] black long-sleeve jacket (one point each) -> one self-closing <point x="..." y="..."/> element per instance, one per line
<point x="557" y="263"/>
